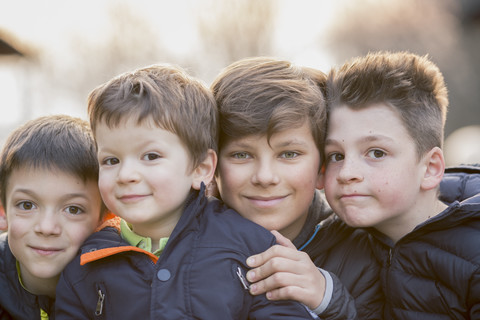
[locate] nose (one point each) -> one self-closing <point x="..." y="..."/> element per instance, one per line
<point x="265" y="174"/>
<point x="48" y="222"/>
<point x="350" y="171"/>
<point x="127" y="172"/>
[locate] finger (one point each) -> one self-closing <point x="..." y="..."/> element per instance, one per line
<point x="284" y="260"/>
<point x="272" y="252"/>
<point x="307" y="289"/>
<point x="281" y="240"/>
<point x="296" y="293"/>
<point x="273" y="282"/>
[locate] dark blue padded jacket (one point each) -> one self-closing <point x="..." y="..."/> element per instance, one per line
<point x="198" y="275"/>
<point x="434" y="271"/>
<point x="16" y="302"/>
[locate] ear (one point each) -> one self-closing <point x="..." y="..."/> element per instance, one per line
<point x="321" y="179"/>
<point x="434" y="169"/>
<point x="3" y="219"/>
<point x="205" y="171"/>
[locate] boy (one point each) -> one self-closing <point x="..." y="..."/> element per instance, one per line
<point x="48" y="174"/>
<point x="272" y="123"/>
<point x="384" y="165"/>
<point x="176" y="254"/>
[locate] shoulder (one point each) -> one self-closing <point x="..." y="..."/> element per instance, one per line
<point x="460" y="183"/>
<point x="6" y="256"/>
<point x="104" y="238"/>
<point x="225" y="224"/>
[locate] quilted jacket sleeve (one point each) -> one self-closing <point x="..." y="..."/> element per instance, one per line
<point x="342" y="304"/>
<point x="67" y="303"/>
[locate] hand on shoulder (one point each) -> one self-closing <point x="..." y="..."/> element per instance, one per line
<point x="283" y="272"/>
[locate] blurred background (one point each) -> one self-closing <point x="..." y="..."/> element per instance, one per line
<point x="53" y="52"/>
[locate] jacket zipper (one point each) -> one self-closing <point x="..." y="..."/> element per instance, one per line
<point x="101" y="299"/>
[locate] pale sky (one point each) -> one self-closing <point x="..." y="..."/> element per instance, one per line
<point x="50" y="23"/>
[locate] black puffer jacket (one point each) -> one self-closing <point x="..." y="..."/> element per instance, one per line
<point x="16" y="302"/>
<point x="434" y="271"/>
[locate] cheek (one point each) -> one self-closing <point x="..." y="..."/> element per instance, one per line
<point x="228" y="179"/>
<point x="104" y="186"/>
<point x="308" y="178"/>
<point x="79" y="232"/>
<point x="17" y="228"/>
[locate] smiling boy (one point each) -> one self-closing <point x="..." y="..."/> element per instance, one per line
<point x="176" y="253"/>
<point x="48" y="174"/>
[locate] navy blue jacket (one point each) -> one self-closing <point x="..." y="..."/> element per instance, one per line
<point x="434" y="271"/>
<point x="15" y="301"/>
<point x="198" y="275"/>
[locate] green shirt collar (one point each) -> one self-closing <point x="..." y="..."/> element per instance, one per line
<point x="138" y="241"/>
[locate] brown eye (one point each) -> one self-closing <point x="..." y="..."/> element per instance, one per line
<point x="151" y="156"/>
<point x="376" y="153"/>
<point x="73" y="210"/>
<point x="335" y="157"/>
<point x="26" y="205"/>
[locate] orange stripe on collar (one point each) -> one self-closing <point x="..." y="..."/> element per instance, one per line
<point x="102" y="253"/>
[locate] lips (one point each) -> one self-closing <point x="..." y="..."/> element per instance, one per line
<point x="46" y="251"/>
<point x="131" y="198"/>
<point x="352" y="197"/>
<point x="265" y="202"/>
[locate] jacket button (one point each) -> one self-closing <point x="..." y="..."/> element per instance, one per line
<point x="163" y="275"/>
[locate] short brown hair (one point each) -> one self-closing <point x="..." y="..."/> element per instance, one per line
<point x="165" y="94"/>
<point x="266" y="95"/>
<point x="51" y="142"/>
<point x="411" y="84"/>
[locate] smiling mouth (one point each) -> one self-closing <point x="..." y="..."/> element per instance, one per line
<point x="132" y="198"/>
<point x="266" y="202"/>
<point x="46" y="251"/>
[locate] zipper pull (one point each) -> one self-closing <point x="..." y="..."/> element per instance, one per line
<point x="101" y="298"/>
<point x="243" y="280"/>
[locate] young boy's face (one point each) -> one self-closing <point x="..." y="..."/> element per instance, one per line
<point x="50" y="213"/>
<point x="372" y="173"/>
<point x="145" y="175"/>
<point x="271" y="184"/>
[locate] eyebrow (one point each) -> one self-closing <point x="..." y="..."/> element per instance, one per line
<point x="369" y="138"/>
<point x="64" y="197"/>
<point x="290" y="142"/>
<point x="238" y="144"/>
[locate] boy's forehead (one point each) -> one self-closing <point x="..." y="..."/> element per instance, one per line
<point x="34" y="172"/>
<point x="374" y="120"/>
<point x="284" y="136"/>
<point x="130" y="121"/>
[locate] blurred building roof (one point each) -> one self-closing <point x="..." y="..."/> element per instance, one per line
<point x="6" y="48"/>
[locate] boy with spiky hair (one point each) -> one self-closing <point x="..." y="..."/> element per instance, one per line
<point x="384" y="167"/>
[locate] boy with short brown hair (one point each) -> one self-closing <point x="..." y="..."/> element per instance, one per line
<point x="176" y="254"/>
<point x="384" y="167"/>
<point x="48" y="185"/>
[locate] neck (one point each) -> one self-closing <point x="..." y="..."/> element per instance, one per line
<point x="398" y="227"/>
<point x="39" y="286"/>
